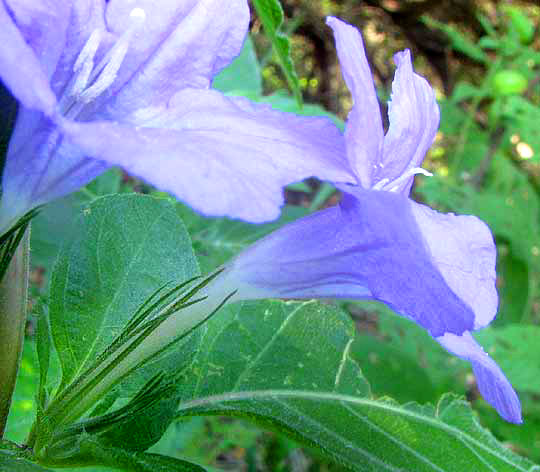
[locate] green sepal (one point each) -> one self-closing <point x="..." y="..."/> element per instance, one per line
<point x="9" y="241"/>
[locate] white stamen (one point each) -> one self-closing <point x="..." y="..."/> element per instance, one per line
<point x="89" y="50"/>
<point x="82" y="77"/>
<point x="409" y="173"/>
<point x="380" y="184"/>
<point x="106" y="72"/>
<point x="82" y="69"/>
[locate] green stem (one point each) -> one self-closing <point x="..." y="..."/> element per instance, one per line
<point x="13" y="303"/>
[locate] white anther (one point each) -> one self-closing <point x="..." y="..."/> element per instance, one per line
<point x="393" y="186"/>
<point x="107" y="71"/>
<point x="108" y="74"/>
<point x="89" y="50"/>
<point x="380" y="184"/>
<point x="85" y="63"/>
<point x="408" y="174"/>
<point x="82" y="70"/>
<point x="138" y="14"/>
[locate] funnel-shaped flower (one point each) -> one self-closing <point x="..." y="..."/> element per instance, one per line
<point x="435" y="269"/>
<point x="127" y="82"/>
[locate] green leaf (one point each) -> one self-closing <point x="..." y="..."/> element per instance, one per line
<point x="289" y="366"/>
<point x="56" y="220"/>
<point x="517" y="351"/>
<point x="271" y="15"/>
<point x="125" y="247"/>
<point x="122" y="265"/>
<point x="216" y="240"/>
<point x="43" y="348"/>
<point x="243" y="74"/>
<point x="93" y="452"/>
<point x="12" y="462"/>
<point x="522" y="116"/>
<point x="282" y="101"/>
<point x="465" y="91"/>
<point x="325" y="191"/>
<point x="402" y="360"/>
<point x="275" y="344"/>
<point x="147" y="462"/>
<point x="302" y="187"/>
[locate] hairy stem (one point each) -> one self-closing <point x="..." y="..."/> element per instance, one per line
<point x="13" y="302"/>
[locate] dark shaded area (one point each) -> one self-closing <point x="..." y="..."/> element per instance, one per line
<point x="401" y="22"/>
<point x="8" y="112"/>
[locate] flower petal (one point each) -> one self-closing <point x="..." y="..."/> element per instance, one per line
<point x="414" y="120"/>
<point x="20" y="69"/>
<point x="491" y="381"/>
<point x="463" y="250"/>
<point x="40" y="166"/>
<point x="85" y="17"/>
<point x="224" y="156"/>
<point x="367" y="247"/>
<point x="364" y="132"/>
<point x="181" y="44"/>
<point x="43" y="24"/>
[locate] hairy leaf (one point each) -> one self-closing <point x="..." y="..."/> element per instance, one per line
<point x="289" y="366"/>
<point x="242" y="75"/>
<point x="125" y="248"/>
<point x="14" y="460"/>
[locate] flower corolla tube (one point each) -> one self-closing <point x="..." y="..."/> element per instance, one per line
<point x="128" y="83"/>
<point x="436" y="269"/>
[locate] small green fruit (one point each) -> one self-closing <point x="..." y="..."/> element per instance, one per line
<point x="509" y="82"/>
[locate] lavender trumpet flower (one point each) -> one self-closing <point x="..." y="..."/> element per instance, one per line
<point x="436" y="269"/>
<point x="128" y="83"/>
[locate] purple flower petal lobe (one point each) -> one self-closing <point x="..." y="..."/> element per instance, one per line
<point x="414" y="120"/>
<point x="491" y="381"/>
<point x="181" y="44"/>
<point x="21" y="70"/>
<point x="367" y="247"/>
<point x="224" y="156"/>
<point x="364" y="132"/>
<point x="463" y="250"/>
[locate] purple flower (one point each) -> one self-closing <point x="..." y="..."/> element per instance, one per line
<point x="435" y="269"/>
<point x="128" y="82"/>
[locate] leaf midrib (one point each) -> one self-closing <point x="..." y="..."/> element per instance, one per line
<point x="330" y="396"/>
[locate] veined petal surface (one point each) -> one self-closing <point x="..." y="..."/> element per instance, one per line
<point x="20" y="69"/>
<point x="223" y="156"/>
<point x="491" y="381"/>
<point x="43" y="24"/>
<point x="364" y="132"/>
<point x="414" y="120"/>
<point x="463" y="250"/>
<point x="369" y="246"/>
<point x="86" y="17"/>
<point x="182" y="44"/>
<point x="41" y="165"/>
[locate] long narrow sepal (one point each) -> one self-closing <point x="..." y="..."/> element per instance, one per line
<point x="154" y="327"/>
<point x="9" y="241"/>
